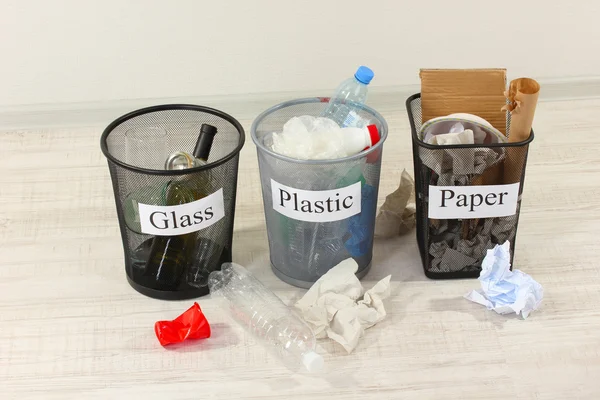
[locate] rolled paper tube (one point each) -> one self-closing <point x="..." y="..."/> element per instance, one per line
<point x="492" y="175"/>
<point x="523" y="95"/>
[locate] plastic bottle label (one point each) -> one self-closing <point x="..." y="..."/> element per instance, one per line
<point x="316" y="205"/>
<point x="183" y="218"/>
<point x="450" y="202"/>
<point x="351" y="119"/>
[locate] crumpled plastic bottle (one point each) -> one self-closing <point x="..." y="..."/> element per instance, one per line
<point x="192" y="324"/>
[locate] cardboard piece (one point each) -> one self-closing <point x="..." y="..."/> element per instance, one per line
<point x="473" y="91"/>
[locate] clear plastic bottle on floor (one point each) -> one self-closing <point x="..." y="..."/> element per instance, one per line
<point x="261" y="312"/>
<point x="354" y="90"/>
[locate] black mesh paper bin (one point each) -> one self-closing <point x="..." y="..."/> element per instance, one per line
<point x="461" y="216"/>
<point x="176" y="225"/>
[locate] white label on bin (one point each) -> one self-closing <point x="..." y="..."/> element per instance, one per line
<point x="449" y="202"/>
<point x="183" y="218"/>
<point x="316" y="205"/>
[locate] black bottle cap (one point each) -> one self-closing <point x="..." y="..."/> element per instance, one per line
<point x="205" y="141"/>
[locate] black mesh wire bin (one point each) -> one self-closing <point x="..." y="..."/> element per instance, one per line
<point x="468" y="198"/>
<point x="176" y="225"/>
<point x="310" y="229"/>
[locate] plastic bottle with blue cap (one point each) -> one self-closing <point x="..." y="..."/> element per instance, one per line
<point x="344" y="105"/>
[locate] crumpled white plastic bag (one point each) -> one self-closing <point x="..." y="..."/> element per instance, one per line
<point x="503" y="290"/>
<point x="337" y="306"/>
<point x="310" y="138"/>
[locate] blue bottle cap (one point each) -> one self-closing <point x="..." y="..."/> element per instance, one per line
<point x="364" y="74"/>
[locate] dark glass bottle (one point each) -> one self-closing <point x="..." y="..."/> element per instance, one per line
<point x="183" y="160"/>
<point x="169" y="255"/>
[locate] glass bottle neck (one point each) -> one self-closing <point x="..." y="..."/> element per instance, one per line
<point x="204" y="142"/>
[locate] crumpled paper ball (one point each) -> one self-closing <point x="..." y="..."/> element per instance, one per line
<point x="338" y="307"/>
<point x="503" y="290"/>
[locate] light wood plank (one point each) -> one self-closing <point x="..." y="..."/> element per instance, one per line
<point x="71" y="327"/>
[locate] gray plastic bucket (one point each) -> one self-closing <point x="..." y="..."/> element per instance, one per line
<point x="309" y="235"/>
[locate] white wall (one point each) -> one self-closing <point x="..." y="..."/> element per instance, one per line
<point x="65" y="51"/>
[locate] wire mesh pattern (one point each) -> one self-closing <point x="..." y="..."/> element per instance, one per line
<point x="455" y="248"/>
<point x="138" y="177"/>
<point x="302" y="251"/>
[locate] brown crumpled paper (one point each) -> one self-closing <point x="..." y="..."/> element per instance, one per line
<point x="397" y="214"/>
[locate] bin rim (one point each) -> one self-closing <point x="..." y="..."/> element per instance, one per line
<point x="421" y="143"/>
<point x="167" y="107"/>
<point x="305" y="100"/>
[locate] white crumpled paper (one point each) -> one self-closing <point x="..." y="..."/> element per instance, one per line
<point x="503" y="290"/>
<point x="459" y="137"/>
<point x="332" y="307"/>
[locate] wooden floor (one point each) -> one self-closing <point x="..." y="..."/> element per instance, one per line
<point x="72" y="328"/>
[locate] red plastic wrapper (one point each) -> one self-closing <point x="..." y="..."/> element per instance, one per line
<point x="192" y="324"/>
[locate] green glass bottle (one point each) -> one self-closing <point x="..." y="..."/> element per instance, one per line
<point x="169" y="255"/>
